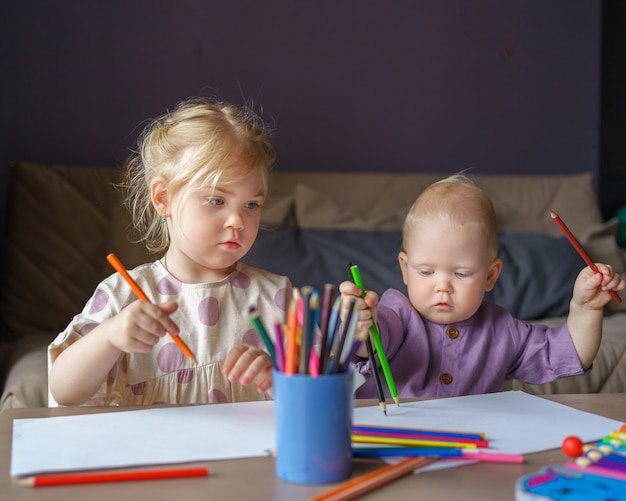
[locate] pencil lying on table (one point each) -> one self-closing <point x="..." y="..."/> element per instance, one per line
<point x="370" y="481"/>
<point x="112" y="476"/>
<point x="121" y="269"/>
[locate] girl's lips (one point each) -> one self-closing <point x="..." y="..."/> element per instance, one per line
<point x="231" y="245"/>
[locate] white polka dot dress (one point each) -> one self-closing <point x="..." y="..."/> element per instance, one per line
<point x="212" y="318"/>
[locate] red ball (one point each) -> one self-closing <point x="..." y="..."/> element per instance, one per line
<point x="572" y="446"/>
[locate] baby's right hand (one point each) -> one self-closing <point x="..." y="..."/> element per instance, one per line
<point x="367" y="306"/>
<point x="139" y="326"/>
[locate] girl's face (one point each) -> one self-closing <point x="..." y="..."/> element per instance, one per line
<point x="210" y="230"/>
<point x="447" y="270"/>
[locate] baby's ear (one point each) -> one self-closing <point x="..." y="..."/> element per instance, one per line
<point x="403" y="260"/>
<point x="494" y="272"/>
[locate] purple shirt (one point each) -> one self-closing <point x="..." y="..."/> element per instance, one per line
<point x="428" y="359"/>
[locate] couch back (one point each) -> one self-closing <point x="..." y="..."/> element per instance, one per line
<point x="62" y="221"/>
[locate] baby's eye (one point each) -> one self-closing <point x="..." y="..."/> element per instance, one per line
<point x="461" y="274"/>
<point x="425" y="273"/>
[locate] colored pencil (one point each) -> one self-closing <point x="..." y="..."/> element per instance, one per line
<point x="356" y="277"/>
<point x="580" y="250"/>
<point x="333" y="327"/>
<point x="305" y="341"/>
<point x="255" y="320"/>
<point x="411" y="442"/>
<point x="291" y="360"/>
<point x="359" y="338"/>
<point x="442" y="452"/>
<point x="121" y="269"/>
<point x="483" y="444"/>
<point x="327" y="303"/>
<point x="366" y="483"/>
<point x="380" y="393"/>
<point x="339" y="341"/>
<point x="279" y="346"/>
<point x="381" y="452"/>
<point x="114" y="476"/>
<point x="376" y="375"/>
<point x="356" y="428"/>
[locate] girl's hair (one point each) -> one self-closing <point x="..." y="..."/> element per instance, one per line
<point x="457" y="200"/>
<point x="195" y="143"/>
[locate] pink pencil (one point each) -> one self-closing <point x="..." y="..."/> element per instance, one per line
<point x="492" y="457"/>
<point x="580" y="250"/>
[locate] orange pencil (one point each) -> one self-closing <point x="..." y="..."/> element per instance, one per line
<point x="580" y="250"/>
<point x="121" y="269"/>
<point x="292" y="332"/>
<point x="370" y="481"/>
<point x="115" y="476"/>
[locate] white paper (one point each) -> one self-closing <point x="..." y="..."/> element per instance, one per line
<point x="513" y="422"/>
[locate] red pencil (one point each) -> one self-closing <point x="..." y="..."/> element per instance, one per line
<point x="112" y="476"/>
<point x="580" y="250"/>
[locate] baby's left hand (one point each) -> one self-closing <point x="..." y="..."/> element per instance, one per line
<point x="591" y="290"/>
<point x="249" y="364"/>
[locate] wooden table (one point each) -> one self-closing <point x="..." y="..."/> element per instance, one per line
<point x="255" y="478"/>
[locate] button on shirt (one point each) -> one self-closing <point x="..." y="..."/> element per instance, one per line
<point x="428" y="359"/>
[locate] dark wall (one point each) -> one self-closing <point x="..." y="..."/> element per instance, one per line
<point x="402" y="85"/>
<point x="613" y="108"/>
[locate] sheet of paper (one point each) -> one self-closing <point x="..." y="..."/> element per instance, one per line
<point x="513" y="422"/>
<point x="142" y="437"/>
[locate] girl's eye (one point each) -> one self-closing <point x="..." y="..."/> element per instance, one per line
<point x="216" y="201"/>
<point x="252" y="205"/>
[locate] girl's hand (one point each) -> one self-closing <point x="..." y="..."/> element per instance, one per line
<point x="139" y="326"/>
<point x="591" y="290"/>
<point x="249" y="364"/>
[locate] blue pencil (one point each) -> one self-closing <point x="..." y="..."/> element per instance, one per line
<point x="378" y="452"/>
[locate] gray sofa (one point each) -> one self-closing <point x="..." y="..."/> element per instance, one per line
<point x="62" y="221"/>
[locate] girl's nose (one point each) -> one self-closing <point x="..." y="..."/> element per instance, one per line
<point x="234" y="221"/>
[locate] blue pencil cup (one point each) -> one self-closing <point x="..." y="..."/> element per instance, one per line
<point x="313" y="427"/>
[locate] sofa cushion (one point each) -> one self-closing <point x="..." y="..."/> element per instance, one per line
<point x="57" y="228"/>
<point x="521" y="204"/>
<point x="536" y="281"/>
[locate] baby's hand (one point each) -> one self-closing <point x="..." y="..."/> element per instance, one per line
<point x="591" y="290"/>
<point x="249" y="364"/>
<point x="139" y="326"/>
<point x="367" y="306"/>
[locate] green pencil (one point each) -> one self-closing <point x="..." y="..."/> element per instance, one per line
<point x="253" y="315"/>
<point x="384" y="363"/>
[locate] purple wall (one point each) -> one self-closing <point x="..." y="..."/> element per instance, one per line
<point x="403" y="85"/>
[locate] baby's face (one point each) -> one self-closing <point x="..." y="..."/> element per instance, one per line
<point x="447" y="269"/>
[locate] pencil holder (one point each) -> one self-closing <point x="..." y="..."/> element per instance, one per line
<point x="313" y="427"/>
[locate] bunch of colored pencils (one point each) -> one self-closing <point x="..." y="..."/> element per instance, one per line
<point x="387" y="441"/>
<point x="314" y="340"/>
<point x="607" y="457"/>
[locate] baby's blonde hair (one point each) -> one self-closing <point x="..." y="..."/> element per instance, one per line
<point x="196" y="143"/>
<point x="457" y="200"/>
